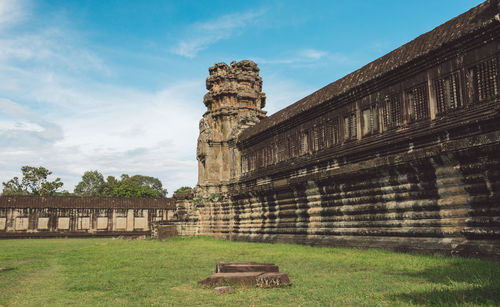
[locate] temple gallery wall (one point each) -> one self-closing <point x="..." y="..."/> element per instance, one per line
<point x="31" y="216"/>
<point x="402" y="154"/>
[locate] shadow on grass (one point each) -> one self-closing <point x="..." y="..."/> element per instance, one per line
<point x="445" y="297"/>
<point x="461" y="281"/>
<point x="2" y="270"/>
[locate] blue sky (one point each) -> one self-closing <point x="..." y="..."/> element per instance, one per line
<point x="118" y="86"/>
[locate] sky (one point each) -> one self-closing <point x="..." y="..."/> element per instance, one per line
<point x="117" y="86"/>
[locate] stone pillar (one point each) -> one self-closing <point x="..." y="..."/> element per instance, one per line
<point x="130" y="220"/>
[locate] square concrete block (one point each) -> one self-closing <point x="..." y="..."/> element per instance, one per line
<point x="140" y="223"/>
<point x="63" y="223"/>
<point x="43" y="223"/>
<point x="102" y="223"/>
<point x="3" y="223"/>
<point x="21" y="223"/>
<point x="121" y="223"/>
<point x="83" y="223"/>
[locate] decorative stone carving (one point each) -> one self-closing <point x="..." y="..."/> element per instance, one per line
<point x="234" y="102"/>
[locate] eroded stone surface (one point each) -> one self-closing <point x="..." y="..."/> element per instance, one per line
<point x="237" y="278"/>
<point x="265" y="275"/>
<point x="234" y="102"/>
<point x="402" y="154"/>
<point x="36" y="216"/>
<point x="273" y="280"/>
<point x="223" y="290"/>
<point x="232" y="267"/>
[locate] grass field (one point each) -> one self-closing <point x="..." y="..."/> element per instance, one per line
<point x="111" y="272"/>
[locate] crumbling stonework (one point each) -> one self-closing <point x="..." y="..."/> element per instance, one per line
<point x="263" y="275"/>
<point x="186" y="216"/>
<point x="402" y="154"/>
<point x="234" y="103"/>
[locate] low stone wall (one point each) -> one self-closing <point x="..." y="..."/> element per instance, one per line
<point x="31" y="216"/>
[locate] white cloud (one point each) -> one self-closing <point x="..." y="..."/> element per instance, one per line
<point x="52" y="48"/>
<point x="199" y="36"/>
<point x="281" y="93"/>
<point x="11" y="12"/>
<point x="306" y="56"/>
<point x="133" y="132"/>
<point x="25" y="128"/>
<point x="313" y="54"/>
<point x="53" y="114"/>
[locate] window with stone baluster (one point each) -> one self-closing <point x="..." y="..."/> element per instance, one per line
<point x="448" y="93"/>
<point x="418" y="102"/>
<point x="392" y="115"/>
<point x="482" y="80"/>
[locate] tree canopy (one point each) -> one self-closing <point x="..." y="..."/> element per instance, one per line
<point x="93" y="184"/>
<point x="34" y="182"/>
<point x="184" y="190"/>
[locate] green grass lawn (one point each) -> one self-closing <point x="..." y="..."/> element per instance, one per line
<point x="124" y="272"/>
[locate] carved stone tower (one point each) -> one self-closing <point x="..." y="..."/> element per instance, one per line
<point x="234" y="102"/>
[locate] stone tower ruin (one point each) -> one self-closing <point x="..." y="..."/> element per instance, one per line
<point x="234" y="102"/>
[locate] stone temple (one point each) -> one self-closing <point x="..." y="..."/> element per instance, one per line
<point x="402" y="154"/>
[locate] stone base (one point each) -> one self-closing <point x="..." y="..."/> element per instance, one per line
<point x="223" y="290"/>
<point x="239" y="278"/>
<point x="264" y="275"/>
<point x="273" y="280"/>
<point x="232" y="267"/>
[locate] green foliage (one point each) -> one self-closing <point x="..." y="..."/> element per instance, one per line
<point x="92" y="184"/>
<point x="63" y="193"/>
<point x="214" y="196"/>
<point x="139" y="186"/>
<point x="13" y="187"/>
<point x="184" y="190"/>
<point x="109" y="186"/>
<point x="105" y="272"/>
<point x="34" y="182"/>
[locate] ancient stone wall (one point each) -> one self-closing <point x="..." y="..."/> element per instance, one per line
<point x="31" y="216"/>
<point x="186" y="217"/>
<point x="402" y="154"/>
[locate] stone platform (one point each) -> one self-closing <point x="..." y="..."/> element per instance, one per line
<point x="265" y="275"/>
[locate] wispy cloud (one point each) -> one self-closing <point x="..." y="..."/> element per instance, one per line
<point x="283" y="92"/>
<point x="305" y="56"/>
<point x="55" y="112"/>
<point x="52" y="48"/>
<point x="199" y="36"/>
<point x="11" y="12"/>
<point x="313" y="54"/>
<point x="25" y="129"/>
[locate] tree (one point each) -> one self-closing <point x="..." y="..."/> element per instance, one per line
<point x="139" y="186"/>
<point x="34" y="182"/>
<point x="13" y="187"/>
<point x="92" y="184"/>
<point x="183" y="190"/>
<point x="109" y="186"/>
